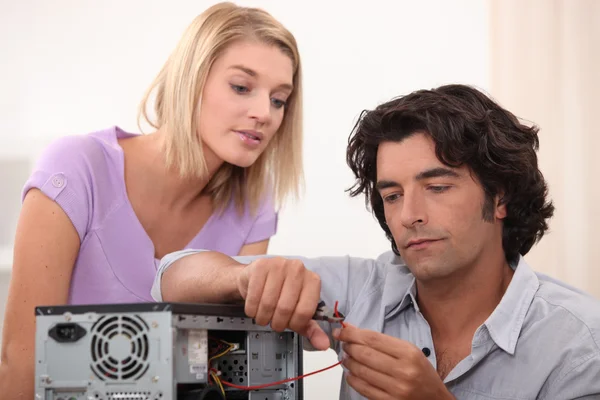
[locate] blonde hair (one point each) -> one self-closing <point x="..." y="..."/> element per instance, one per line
<point x="179" y="86"/>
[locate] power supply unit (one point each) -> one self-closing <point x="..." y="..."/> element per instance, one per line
<point x="162" y="351"/>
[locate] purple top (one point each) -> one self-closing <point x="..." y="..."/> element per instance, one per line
<point x="84" y="174"/>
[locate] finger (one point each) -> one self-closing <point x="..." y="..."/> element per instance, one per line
<point x="270" y="296"/>
<point x="371" y="358"/>
<point x="377" y="377"/>
<point x="288" y="299"/>
<point x="257" y="276"/>
<point x="364" y="388"/>
<point x="385" y="344"/>
<point x="306" y="307"/>
<point x="316" y="335"/>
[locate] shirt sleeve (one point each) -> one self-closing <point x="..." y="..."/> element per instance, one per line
<point x="579" y="381"/>
<point x="265" y="224"/>
<point x="343" y="279"/>
<point x="63" y="173"/>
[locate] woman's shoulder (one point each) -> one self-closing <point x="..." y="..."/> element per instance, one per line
<point x="86" y="148"/>
<point x="76" y="151"/>
<point x="82" y="173"/>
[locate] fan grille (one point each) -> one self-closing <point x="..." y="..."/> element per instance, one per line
<point x="119" y="348"/>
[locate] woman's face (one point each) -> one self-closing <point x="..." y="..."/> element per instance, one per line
<point x="243" y="102"/>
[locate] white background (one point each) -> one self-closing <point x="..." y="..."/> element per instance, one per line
<point x="70" y="67"/>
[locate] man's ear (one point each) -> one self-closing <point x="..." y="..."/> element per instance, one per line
<point x="500" y="208"/>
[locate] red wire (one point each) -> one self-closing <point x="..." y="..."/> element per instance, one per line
<point x="233" y="385"/>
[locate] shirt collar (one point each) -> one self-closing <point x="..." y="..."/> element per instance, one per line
<point x="503" y="325"/>
<point x="409" y="297"/>
<point x="506" y="321"/>
<point x="400" y="288"/>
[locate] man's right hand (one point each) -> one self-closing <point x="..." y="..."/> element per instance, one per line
<point x="285" y="294"/>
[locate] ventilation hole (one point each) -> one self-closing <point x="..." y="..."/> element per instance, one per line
<point x="137" y="327"/>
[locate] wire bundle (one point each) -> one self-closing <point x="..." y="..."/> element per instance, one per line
<point x="278" y="382"/>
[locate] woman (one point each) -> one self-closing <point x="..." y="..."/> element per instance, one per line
<point x="101" y="209"/>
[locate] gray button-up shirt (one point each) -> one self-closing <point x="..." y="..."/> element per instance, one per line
<point x="541" y="342"/>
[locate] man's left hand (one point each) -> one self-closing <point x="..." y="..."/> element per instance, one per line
<point x="383" y="367"/>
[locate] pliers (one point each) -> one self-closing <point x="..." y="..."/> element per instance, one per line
<point x="324" y="313"/>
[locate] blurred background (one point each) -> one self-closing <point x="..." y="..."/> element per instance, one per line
<point x="74" y="66"/>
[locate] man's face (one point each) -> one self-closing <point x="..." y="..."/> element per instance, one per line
<point x="435" y="212"/>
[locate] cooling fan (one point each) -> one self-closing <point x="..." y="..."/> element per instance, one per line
<point x="119" y="348"/>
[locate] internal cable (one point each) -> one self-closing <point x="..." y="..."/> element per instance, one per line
<point x="217" y="381"/>
<point x="233" y="385"/>
<point x="213" y="372"/>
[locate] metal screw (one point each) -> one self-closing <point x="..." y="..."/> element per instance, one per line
<point x="154" y="379"/>
<point x="154" y="324"/>
<point x="68" y="316"/>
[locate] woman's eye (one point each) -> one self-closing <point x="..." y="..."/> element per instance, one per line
<point x="240" y="88"/>
<point x="278" y="103"/>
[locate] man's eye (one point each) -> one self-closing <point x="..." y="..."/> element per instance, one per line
<point x="438" y="189"/>
<point x="391" y="198"/>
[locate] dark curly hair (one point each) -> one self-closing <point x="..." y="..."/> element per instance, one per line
<point x="468" y="128"/>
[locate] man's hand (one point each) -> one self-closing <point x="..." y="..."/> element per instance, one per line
<point x="383" y="367"/>
<point x="285" y="294"/>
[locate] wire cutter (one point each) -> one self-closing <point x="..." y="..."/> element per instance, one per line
<point x="324" y="313"/>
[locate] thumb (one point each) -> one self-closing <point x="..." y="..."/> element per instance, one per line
<point x="316" y="335"/>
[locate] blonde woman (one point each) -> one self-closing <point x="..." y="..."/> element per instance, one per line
<point x="101" y="209"/>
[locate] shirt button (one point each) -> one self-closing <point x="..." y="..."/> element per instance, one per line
<point x="58" y="181"/>
<point x="426" y="351"/>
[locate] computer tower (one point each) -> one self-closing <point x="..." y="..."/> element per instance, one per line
<point x="162" y="351"/>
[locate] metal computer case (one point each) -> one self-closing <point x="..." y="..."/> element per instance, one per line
<point x="159" y="351"/>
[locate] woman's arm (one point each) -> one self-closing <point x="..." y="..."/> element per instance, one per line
<point x="46" y="247"/>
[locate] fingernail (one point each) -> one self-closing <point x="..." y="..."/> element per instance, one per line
<point x="336" y="333"/>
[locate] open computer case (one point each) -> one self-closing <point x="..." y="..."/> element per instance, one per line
<point x="162" y="351"/>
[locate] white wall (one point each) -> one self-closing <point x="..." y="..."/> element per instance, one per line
<point x="72" y="66"/>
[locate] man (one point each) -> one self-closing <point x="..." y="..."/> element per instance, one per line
<point x="453" y="311"/>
